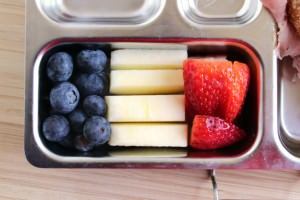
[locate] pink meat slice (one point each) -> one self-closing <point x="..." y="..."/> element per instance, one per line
<point x="277" y="8"/>
<point x="288" y="43"/>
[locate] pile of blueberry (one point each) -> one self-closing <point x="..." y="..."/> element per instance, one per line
<point x="76" y="99"/>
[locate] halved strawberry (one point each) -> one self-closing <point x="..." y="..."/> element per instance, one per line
<point x="215" y="87"/>
<point x="212" y="133"/>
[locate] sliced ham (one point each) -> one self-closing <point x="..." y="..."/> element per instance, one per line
<point x="288" y="44"/>
<point x="277" y="8"/>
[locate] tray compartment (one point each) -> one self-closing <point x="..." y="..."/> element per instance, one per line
<point x="250" y="118"/>
<point x="220" y="12"/>
<point x="289" y="109"/>
<point x="102" y="12"/>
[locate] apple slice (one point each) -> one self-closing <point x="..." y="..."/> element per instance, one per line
<point x="149" y="134"/>
<point x="147" y="59"/>
<point x="145" y="108"/>
<point x="146" y="81"/>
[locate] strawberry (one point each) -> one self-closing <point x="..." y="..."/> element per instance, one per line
<point x="212" y="133"/>
<point x="216" y="88"/>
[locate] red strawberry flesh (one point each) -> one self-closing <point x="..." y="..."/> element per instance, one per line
<point x="215" y="87"/>
<point x="210" y="133"/>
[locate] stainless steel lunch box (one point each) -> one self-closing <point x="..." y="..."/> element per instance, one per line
<point x="241" y="29"/>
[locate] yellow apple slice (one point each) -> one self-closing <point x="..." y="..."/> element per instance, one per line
<point x="147" y="59"/>
<point x="145" y="108"/>
<point x="149" y="134"/>
<point x="146" y="81"/>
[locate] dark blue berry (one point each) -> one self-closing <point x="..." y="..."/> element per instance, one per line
<point x="105" y="80"/>
<point x="82" y="144"/>
<point x="59" y="67"/>
<point x="89" y="84"/>
<point x="94" y="105"/>
<point x="55" y="128"/>
<point x="64" y="97"/>
<point x="67" y="141"/>
<point x="97" y="130"/>
<point x="91" y="61"/>
<point x="77" y="118"/>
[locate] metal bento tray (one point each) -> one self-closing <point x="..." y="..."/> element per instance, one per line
<point x="243" y="30"/>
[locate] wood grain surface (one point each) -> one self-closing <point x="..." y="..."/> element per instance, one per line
<point x="19" y="180"/>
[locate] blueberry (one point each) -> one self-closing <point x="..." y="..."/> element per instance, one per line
<point x="91" y="61"/>
<point x="105" y="80"/>
<point x="77" y="118"/>
<point x="89" y="84"/>
<point x="60" y="67"/>
<point x="94" y="105"/>
<point x="97" y="130"/>
<point x="67" y="141"/>
<point x="82" y="144"/>
<point x="55" y="128"/>
<point x="64" y="97"/>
